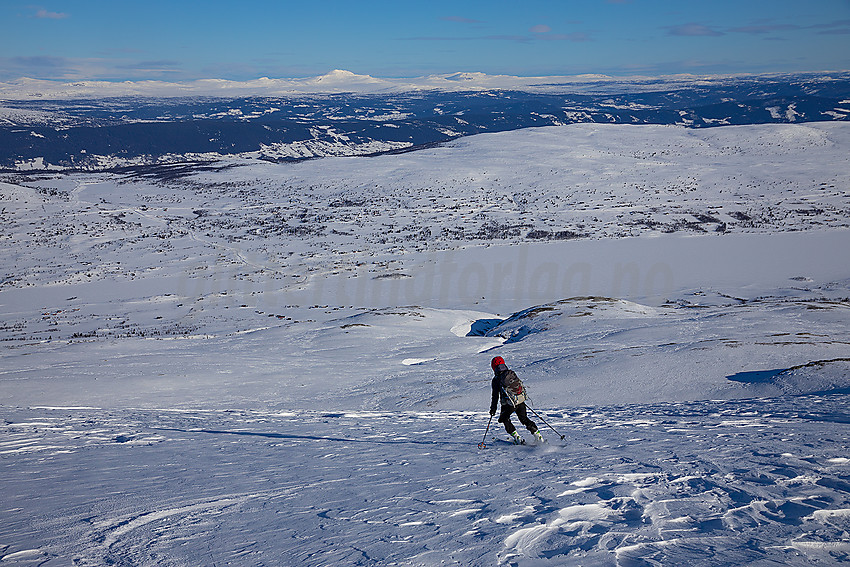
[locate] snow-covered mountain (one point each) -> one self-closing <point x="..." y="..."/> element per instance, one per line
<point x="97" y="126"/>
<point x="260" y="363"/>
<point x="342" y="81"/>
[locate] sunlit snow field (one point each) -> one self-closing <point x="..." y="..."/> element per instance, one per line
<point x="261" y="364"/>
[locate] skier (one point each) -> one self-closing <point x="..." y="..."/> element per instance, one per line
<point x="508" y="389"/>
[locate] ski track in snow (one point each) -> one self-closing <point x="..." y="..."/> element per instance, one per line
<point x="760" y="482"/>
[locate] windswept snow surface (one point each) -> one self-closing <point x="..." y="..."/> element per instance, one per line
<point x="760" y="482"/>
<point x="266" y="364"/>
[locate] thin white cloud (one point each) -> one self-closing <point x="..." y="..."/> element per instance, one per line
<point x="163" y="66"/>
<point x="835" y="24"/>
<point x="576" y="37"/>
<point x="765" y="28"/>
<point x="693" y="29"/>
<point x="528" y="38"/>
<point x="835" y="31"/>
<point x="37" y="62"/>
<point x="52" y="67"/>
<point x="544" y="32"/>
<point x="43" y="14"/>
<point x="460" y="20"/>
<point x="839" y="27"/>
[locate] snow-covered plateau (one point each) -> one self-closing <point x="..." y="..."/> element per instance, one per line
<point x="252" y="363"/>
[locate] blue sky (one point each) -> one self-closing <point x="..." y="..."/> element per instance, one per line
<point x="182" y="40"/>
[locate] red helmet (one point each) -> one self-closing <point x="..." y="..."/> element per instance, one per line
<point x="496" y="362"/>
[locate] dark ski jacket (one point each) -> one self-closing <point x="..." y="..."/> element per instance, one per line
<point x="498" y="394"/>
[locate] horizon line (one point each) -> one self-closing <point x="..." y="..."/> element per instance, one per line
<point x="340" y="81"/>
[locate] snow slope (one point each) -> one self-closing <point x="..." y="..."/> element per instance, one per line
<point x="761" y="482"/>
<point x="263" y="364"/>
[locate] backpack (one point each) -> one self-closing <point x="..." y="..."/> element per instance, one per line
<point x="513" y="388"/>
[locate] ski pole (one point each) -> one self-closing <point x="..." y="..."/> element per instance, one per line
<point x="483" y="445"/>
<point x="546" y="422"/>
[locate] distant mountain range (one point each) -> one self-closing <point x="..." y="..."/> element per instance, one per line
<point x="95" y="126"/>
